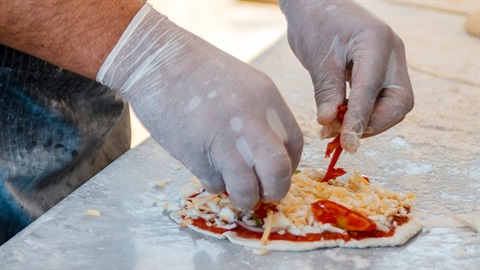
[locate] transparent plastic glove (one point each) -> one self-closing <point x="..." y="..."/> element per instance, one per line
<point x="225" y="121"/>
<point x="339" y="41"/>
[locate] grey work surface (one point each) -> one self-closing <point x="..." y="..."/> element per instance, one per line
<point x="433" y="153"/>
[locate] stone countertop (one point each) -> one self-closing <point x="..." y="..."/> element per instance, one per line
<point x="434" y="153"/>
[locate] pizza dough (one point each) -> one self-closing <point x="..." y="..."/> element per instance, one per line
<point x="401" y="236"/>
<point x="296" y="223"/>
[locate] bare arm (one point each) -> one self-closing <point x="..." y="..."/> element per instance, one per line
<point x="75" y="35"/>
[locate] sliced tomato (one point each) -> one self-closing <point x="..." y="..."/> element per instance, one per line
<point x="338" y="215"/>
<point x="323" y="215"/>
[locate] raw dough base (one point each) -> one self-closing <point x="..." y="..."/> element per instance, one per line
<point x="401" y="236"/>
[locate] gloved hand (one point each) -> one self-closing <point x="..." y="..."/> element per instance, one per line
<point x="225" y="121"/>
<point x="338" y="41"/>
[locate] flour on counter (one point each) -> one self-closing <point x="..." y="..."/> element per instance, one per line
<point x="359" y="262"/>
<point x="469" y="220"/>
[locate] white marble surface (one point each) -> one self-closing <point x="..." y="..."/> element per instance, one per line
<point x="134" y="232"/>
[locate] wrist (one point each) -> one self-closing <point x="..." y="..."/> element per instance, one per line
<point x="124" y="51"/>
<point x="151" y="45"/>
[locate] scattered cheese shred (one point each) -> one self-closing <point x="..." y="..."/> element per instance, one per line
<point x="208" y="198"/>
<point x="92" y="212"/>
<point x="186" y="222"/>
<point x="260" y="252"/>
<point x="165" y="205"/>
<point x="268" y="228"/>
<point x="162" y="183"/>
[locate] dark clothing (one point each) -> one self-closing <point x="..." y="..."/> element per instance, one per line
<point x="57" y="130"/>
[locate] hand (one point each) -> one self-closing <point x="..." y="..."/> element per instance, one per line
<point x="338" y="41"/>
<point x="225" y="121"/>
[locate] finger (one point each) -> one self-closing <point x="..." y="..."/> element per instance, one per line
<point x="333" y="129"/>
<point x="287" y="132"/>
<point x="234" y="159"/>
<point x="242" y="187"/>
<point x="368" y="76"/>
<point x="388" y="112"/>
<point x="239" y="176"/>
<point x="263" y="171"/>
<point x="206" y="171"/>
<point x="360" y="108"/>
<point x="330" y="131"/>
<point x="329" y="77"/>
<point x="257" y="167"/>
<point x="393" y="103"/>
<point x="273" y="163"/>
<point x="328" y="98"/>
<point x="294" y="149"/>
<point x="273" y="169"/>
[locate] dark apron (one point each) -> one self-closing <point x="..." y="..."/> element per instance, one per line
<point x="57" y="130"/>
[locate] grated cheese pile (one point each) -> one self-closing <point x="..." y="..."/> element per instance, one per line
<point x="294" y="213"/>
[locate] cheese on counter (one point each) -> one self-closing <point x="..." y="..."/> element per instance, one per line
<point x="92" y="212"/>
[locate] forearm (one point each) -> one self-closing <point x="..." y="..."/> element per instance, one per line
<point x="75" y="35"/>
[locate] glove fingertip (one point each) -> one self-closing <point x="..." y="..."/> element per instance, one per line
<point x="326" y="113"/>
<point x="245" y="203"/>
<point x="330" y="131"/>
<point x="275" y="175"/>
<point x="212" y="188"/>
<point x="350" y="141"/>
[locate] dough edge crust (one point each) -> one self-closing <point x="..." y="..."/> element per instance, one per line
<point x="402" y="235"/>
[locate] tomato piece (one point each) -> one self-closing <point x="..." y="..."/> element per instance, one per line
<point x="193" y="195"/>
<point x="332" y="146"/>
<point x="342" y="109"/>
<point x="333" y="172"/>
<point x="335" y="147"/>
<point x="366" y="178"/>
<point x="338" y="215"/>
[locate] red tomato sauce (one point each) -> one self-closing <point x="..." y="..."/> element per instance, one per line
<point x="245" y="233"/>
<point x="202" y="224"/>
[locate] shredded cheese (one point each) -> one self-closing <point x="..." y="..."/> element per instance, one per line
<point x="186" y="222"/>
<point x="92" y="212"/>
<point x="165" y="205"/>
<point x="268" y="228"/>
<point x="294" y="214"/>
